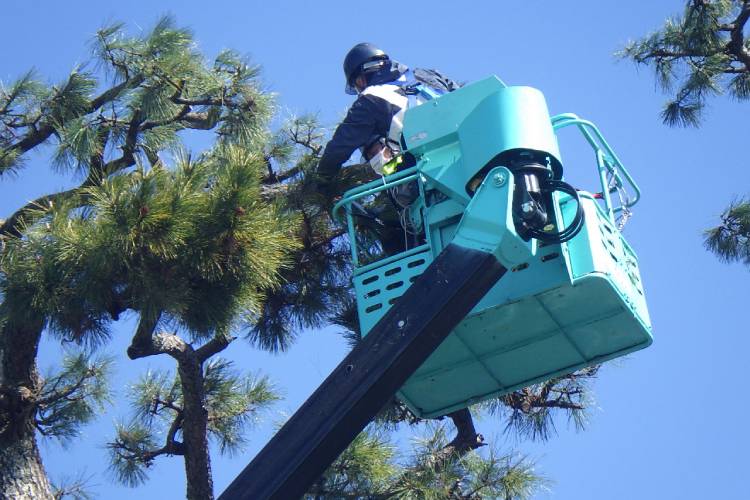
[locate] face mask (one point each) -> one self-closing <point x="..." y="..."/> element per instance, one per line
<point x="379" y="161"/>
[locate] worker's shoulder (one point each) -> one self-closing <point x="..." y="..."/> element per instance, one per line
<point x="387" y="91"/>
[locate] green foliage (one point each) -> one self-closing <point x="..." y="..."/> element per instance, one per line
<point x="148" y="240"/>
<point x="191" y="242"/>
<point x="314" y="289"/>
<point x="159" y="84"/>
<point x="704" y="53"/>
<point x="682" y="113"/>
<point x="365" y="469"/>
<point x="73" y="488"/>
<point x="370" y="468"/>
<point x="72" y="98"/>
<point x="73" y="396"/>
<point x="740" y="86"/>
<point x="130" y="453"/>
<point x="730" y="240"/>
<point x="234" y="403"/>
<point x="196" y="242"/>
<point x="531" y="412"/>
<point x="19" y="105"/>
<point x="697" y="56"/>
<point x="71" y="298"/>
<point x="175" y="75"/>
<point x="79" y="143"/>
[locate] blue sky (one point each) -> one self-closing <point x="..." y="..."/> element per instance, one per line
<point x="669" y="421"/>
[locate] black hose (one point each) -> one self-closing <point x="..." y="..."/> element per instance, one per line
<point x="548" y="185"/>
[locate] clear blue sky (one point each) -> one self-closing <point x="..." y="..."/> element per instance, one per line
<point x="669" y="421"/>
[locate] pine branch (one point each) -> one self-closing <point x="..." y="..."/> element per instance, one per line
<point x="730" y="241"/>
<point x="199" y="121"/>
<point x="530" y="411"/>
<point x="73" y="488"/>
<point x="132" y="451"/>
<point x="40" y="134"/>
<point x="128" y="148"/>
<point x="12" y="226"/>
<point x="56" y="394"/>
<point x="467" y="439"/>
<point x="142" y="343"/>
<point x="701" y="50"/>
<point x="214" y="346"/>
<point x="275" y="180"/>
<point x="161" y="343"/>
<point x="166" y="404"/>
<point x="307" y="137"/>
<point x="70" y="398"/>
<point x="736" y="46"/>
<point x="181" y="115"/>
<point x="205" y="101"/>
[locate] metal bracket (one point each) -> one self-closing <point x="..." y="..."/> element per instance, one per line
<point x="487" y="224"/>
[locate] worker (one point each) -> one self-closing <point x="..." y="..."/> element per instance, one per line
<point x="385" y="89"/>
<point x="373" y="124"/>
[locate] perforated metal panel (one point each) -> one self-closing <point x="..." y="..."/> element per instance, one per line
<point x="379" y="288"/>
<point x="570" y="306"/>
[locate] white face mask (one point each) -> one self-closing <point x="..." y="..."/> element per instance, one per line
<point x="378" y="161"/>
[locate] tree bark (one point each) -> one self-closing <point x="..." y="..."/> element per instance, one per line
<point x="194" y="413"/>
<point x="466" y="440"/>
<point x="22" y="474"/>
<point x="194" y="429"/>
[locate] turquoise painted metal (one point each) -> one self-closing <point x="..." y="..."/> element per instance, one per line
<point x="561" y="306"/>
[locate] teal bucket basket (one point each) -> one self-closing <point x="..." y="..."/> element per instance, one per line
<point x="570" y="305"/>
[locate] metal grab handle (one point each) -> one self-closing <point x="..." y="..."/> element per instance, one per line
<point x="373" y="187"/>
<point x="606" y="157"/>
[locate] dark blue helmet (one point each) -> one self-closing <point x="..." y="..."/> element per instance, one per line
<point x="362" y="58"/>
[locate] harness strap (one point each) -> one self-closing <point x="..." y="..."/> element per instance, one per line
<point x="418" y="93"/>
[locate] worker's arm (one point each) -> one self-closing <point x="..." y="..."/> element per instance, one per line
<point x="369" y="116"/>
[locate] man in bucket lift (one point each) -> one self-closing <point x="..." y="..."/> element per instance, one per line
<point x="373" y="124"/>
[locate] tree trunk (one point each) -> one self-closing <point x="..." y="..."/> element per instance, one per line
<point x="466" y="440"/>
<point x="22" y="475"/>
<point x="200" y="484"/>
<point x="194" y="429"/>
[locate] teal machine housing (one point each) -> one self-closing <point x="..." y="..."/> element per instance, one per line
<point x="567" y="306"/>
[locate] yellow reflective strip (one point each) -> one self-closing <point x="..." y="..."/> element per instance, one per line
<point x="391" y="167"/>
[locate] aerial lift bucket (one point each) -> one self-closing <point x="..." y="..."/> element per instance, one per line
<point x="483" y="302"/>
<point x="570" y="305"/>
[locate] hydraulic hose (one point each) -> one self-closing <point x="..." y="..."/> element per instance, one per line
<point x="547" y="186"/>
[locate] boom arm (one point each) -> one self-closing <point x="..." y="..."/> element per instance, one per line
<point x="398" y="344"/>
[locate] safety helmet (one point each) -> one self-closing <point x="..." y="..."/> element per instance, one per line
<point x="362" y="58"/>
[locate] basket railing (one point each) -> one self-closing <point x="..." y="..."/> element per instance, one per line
<point x="613" y="177"/>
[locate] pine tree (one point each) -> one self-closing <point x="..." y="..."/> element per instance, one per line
<point x="371" y="468"/>
<point x="701" y="54"/>
<point x="190" y="245"/>
<point x="704" y="53"/>
<point x="232" y="402"/>
<point x="730" y="240"/>
<point x="198" y="247"/>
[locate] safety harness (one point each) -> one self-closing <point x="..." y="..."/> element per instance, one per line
<point x="404" y="93"/>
